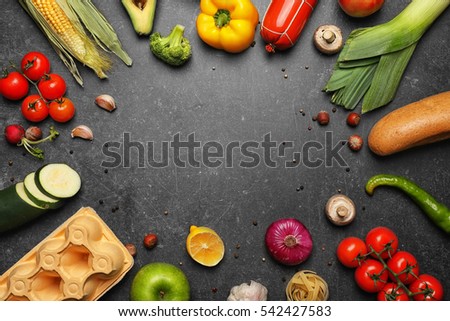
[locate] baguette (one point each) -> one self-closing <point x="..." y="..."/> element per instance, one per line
<point x="423" y="122"/>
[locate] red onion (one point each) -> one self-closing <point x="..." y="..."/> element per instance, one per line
<point x="14" y="133"/>
<point x="288" y="241"/>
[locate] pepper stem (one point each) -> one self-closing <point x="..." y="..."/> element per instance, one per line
<point x="222" y="18"/>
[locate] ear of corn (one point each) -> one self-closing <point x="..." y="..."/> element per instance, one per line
<point x="62" y="27"/>
<point x="377" y="57"/>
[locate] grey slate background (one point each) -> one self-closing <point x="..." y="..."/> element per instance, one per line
<point x="224" y="97"/>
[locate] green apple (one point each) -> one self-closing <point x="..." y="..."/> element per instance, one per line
<point x="160" y="282"/>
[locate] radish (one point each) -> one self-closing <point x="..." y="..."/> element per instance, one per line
<point x="14" y="134"/>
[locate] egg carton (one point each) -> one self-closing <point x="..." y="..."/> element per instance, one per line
<point x="80" y="260"/>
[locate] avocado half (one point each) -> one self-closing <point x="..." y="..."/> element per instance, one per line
<point x="142" y="13"/>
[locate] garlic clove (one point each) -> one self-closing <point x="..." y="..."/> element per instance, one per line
<point x="106" y="102"/>
<point x="83" y="132"/>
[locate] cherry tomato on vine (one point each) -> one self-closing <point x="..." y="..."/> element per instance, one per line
<point x="432" y="288"/>
<point x="349" y="249"/>
<point x="391" y="292"/>
<point x="35" y="65"/>
<point x="371" y="276"/>
<point x="405" y="265"/>
<point x="13" y="85"/>
<point x="380" y="237"/>
<point x="62" y="110"/>
<point x="34" y="108"/>
<point x="52" y="86"/>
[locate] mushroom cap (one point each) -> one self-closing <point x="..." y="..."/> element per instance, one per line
<point x="340" y="210"/>
<point x="328" y="39"/>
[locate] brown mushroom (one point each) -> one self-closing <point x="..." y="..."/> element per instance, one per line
<point x="340" y="209"/>
<point x="328" y="39"/>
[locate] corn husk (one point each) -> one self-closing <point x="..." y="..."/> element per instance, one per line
<point x="101" y="30"/>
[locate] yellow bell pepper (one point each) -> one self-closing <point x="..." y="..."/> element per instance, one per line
<point x="229" y="25"/>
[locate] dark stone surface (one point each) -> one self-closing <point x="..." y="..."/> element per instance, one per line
<point x="224" y="98"/>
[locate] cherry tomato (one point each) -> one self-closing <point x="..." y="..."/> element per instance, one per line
<point x="52" y="86"/>
<point x="34" y="108"/>
<point x="14" y="85"/>
<point x="434" y="291"/>
<point x="405" y="265"/>
<point x="371" y="276"/>
<point x="380" y="238"/>
<point x="35" y="65"/>
<point x="389" y="293"/>
<point x="360" y="8"/>
<point x="349" y="249"/>
<point x="62" y="110"/>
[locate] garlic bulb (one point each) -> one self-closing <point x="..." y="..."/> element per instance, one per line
<point x="248" y="292"/>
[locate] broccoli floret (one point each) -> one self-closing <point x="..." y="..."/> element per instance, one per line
<point x="173" y="49"/>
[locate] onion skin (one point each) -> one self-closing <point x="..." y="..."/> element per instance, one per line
<point x="288" y="241"/>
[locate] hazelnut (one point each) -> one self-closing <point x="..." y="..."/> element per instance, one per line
<point x="353" y="119"/>
<point x="131" y="249"/>
<point x="323" y="118"/>
<point x="150" y="240"/>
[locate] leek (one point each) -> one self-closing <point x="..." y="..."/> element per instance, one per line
<point x="373" y="60"/>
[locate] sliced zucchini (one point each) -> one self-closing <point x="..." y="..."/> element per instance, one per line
<point x="57" y="181"/>
<point x="16" y="208"/>
<point x="37" y="196"/>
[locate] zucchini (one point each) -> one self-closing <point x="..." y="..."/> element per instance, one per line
<point x="37" y="196"/>
<point x="58" y="181"/>
<point x="16" y="208"/>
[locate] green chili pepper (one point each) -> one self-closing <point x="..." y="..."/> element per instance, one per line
<point x="437" y="212"/>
